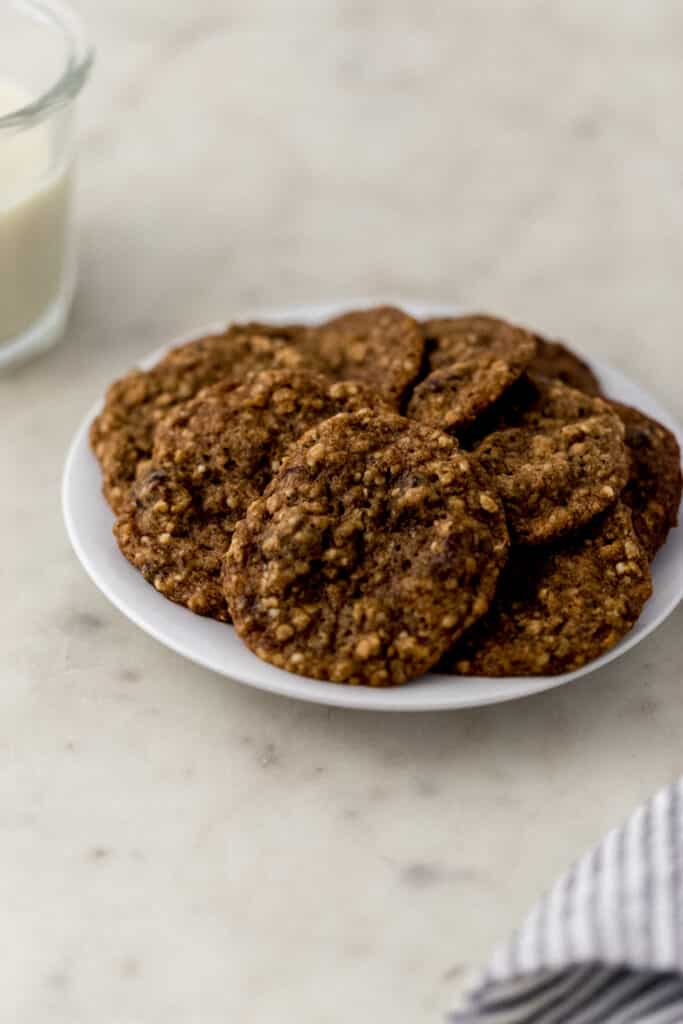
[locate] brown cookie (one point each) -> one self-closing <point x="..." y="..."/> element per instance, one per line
<point x="560" y="462"/>
<point x="471" y="362"/>
<point x="122" y="434"/>
<point x="377" y="543"/>
<point x="557" y="362"/>
<point x="212" y="457"/>
<point x="461" y="338"/>
<point x="453" y="396"/>
<point x="559" y="607"/>
<point x="381" y="347"/>
<point x="214" y="345"/>
<point x="653" y="491"/>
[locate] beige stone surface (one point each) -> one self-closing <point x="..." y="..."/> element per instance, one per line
<point x="177" y="848"/>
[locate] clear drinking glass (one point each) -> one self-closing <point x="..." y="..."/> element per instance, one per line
<point x="44" y="62"/>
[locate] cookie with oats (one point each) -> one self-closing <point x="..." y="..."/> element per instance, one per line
<point x="122" y="435"/>
<point x="381" y="347"/>
<point x="459" y="338"/>
<point x="212" y="457"/>
<point x="557" y="362"/>
<point x="376" y="544"/>
<point x="471" y="360"/>
<point x="454" y="396"/>
<point x="561" y="606"/>
<point x="653" y="491"/>
<point x="560" y="460"/>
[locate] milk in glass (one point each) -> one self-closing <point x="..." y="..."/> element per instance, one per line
<point x="34" y="223"/>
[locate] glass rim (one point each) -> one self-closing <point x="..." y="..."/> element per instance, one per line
<point x="75" y="69"/>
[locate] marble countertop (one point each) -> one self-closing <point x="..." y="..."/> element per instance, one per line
<point x="178" y="848"/>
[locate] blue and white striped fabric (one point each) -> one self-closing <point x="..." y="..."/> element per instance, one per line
<point x="605" y="944"/>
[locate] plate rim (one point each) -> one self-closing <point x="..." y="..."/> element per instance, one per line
<point x="283" y="683"/>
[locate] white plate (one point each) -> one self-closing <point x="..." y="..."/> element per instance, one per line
<point x="217" y="647"/>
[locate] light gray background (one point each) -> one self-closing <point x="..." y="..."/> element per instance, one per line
<point x="174" y="848"/>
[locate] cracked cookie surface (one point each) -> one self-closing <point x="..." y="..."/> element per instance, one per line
<point x="374" y="547"/>
<point x="559" y="461"/>
<point x="213" y="456"/>
<point x="557" y="608"/>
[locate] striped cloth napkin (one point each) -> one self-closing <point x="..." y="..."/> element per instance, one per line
<point x="605" y="944"/>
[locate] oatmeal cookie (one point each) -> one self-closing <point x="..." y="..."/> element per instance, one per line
<point x="471" y="361"/>
<point x="557" y="362"/>
<point x="460" y="338"/>
<point x="381" y="347"/>
<point x="559" y="607"/>
<point x="653" y="491"/>
<point x="561" y="461"/>
<point x="374" y="547"/>
<point x="213" y="456"/>
<point x="122" y="434"/>
<point x="453" y="396"/>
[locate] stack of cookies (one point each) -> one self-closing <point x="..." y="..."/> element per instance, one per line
<point x="373" y="497"/>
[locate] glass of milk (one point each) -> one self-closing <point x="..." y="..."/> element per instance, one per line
<point x="44" y="62"/>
